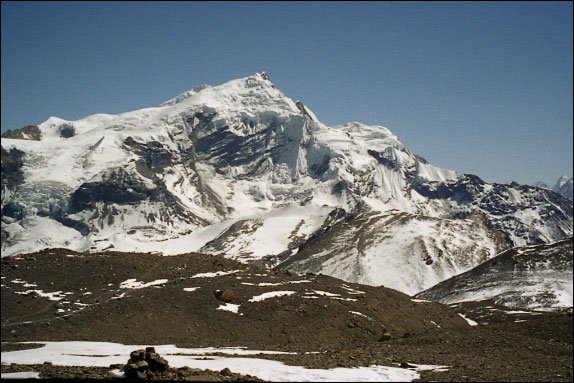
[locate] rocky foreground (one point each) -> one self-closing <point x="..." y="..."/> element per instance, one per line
<point x="197" y="300"/>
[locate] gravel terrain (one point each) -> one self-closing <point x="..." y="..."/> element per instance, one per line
<point x="150" y="299"/>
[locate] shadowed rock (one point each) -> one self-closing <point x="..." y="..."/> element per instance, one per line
<point x="30" y="132"/>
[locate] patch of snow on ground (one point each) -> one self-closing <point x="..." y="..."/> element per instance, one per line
<point x="469" y="321"/>
<point x="229" y="307"/>
<point x="215" y="274"/>
<point x="270" y="294"/>
<point x="20" y="375"/>
<point x="325" y="293"/>
<point x="360" y="314"/>
<point x="134" y="284"/>
<point x="517" y="312"/>
<point x="190" y="289"/>
<point x="116" y="373"/>
<point x="429" y="367"/>
<point x="102" y="354"/>
<point x="55" y="296"/>
<point x="352" y="291"/>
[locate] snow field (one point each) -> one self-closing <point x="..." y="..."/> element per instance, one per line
<point x="102" y="354"/>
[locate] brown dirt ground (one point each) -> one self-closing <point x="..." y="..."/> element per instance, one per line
<point x="503" y="347"/>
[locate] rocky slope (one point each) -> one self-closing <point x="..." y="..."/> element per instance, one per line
<point x="317" y="321"/>
<point x="242" y="170"/>
<point x="531" y="277"/>
<point x="157" y="300"/>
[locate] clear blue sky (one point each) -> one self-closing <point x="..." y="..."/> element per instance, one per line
<point x="481" y="88"/>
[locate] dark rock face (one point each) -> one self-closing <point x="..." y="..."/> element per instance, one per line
<point x="67" y="131"/>
<point x="463" y="191"/>
<point x="319" y="169"/>
<point x="14" y="210"/>
<point x="260" y="144"/>
<point x="12" y="162"/>
<point x="79" y="226"/>
<point x="384" y="158"/>
<point x="12" y="178"/>
<point x="124" y="187"/>
<point x="120" y="187"/>
<point x="30" y="132"/>
<point x="155" y="156"/>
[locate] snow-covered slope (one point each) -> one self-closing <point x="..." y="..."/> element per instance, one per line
<point x="243" y="170"/>
<point x="403" y="251"/>
<point x="529" y="277"/>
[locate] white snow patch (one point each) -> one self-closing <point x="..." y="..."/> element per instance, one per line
<point x="262" y="284"/>
<point x="230" y="307"/>
<point x="214" y="274"/>
<point x="360" y="314"/>
<point x="116" y="373"/>
<point x="134" y="284"/>
<point x="102" y="354"/>
<point x="324" y="293"/>
<point x="270" y="294"/>
<point x="352" y="291"/>
<point x="517" y="312"/>
<point x="429" y="367"/>
<point x="55" y="296"/>
<point x="190" y="289"/>
<point x="274" y="283"/>
<point x="469" y="321"/>
<point x="20" y="375"/>
<point x="327" y="294"/>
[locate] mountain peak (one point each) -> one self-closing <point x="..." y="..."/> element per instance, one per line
<point x="258" y="79"/>
<point x="564" y="186"/>
<point x="242" y="169"/>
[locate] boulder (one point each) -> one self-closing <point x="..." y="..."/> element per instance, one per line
<point x="226" y="296"/>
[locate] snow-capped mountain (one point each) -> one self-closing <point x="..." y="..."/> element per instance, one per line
<point x="541" y="184"/>
<point x="528" y="277"/>
<point x="564" y="187"/>
<point x="241" y="169"/>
